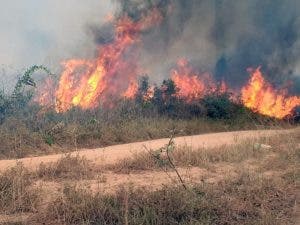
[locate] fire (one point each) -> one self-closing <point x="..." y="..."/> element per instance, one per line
<point x="149" y="94"/>
<point x="89" y="83"/>
<point x="223" y="87"/>
<point x="191" y="85"/>
<point x="45" y="93"/>
<point x="113" y="74"/>
<point x="130" y="93"/>
<point x="261" y="97"/>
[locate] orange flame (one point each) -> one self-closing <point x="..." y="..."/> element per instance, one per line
<point x="113" y="74"/>
<point x="131" y="91"/>
<point x="261" y="97"/>
<point x="149" y="94"/>
<point x="45" y="93"/>
<point x="87" y="83"/>
<point x="223" y="88"/>
<point x="191" y="85"/>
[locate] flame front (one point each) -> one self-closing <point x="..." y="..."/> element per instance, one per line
<point x="89" y="83"/>
<point x="191" y="85"/>
<point x="261" y="97"/>
<point x="131" y="91"/>
<point x="44" y="93"/>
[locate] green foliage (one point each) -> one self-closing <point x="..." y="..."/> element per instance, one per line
<point x="142" y="89"/>
<point x="49" y="139"/>
<point x="4" y="106"/>
<point x="26" y="79"/>
<point x="220" y="106"/>
<point x="165" y="100"/>
<point x="18" y="101"/>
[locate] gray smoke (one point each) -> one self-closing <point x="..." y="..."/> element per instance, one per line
<point x="224" y="37"/>
<point x="45" y="32"/>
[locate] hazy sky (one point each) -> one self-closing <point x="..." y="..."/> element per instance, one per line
<point x="46" y="31"/>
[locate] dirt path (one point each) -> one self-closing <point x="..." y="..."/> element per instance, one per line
<point x="110" y="181"/>
<point x="112" y="154"/>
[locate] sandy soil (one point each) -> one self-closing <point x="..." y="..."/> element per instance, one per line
<point x="112" y="154"/>
<point x="109" y="181"/>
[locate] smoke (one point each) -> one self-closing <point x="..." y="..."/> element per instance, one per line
<point x="45" y="32"/>
<point x="224" y="37"/>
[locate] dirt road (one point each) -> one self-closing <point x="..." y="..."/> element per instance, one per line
<point x="112" y="154"/>
<point x="110" y="181"/>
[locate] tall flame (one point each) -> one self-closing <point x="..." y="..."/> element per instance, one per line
<point x="261" y="97"/>
<point x="131" y="91"/>
<point x="88" y="83"/>
<point x="113" y="74"/>
<point x="44" y="93"/>
<point x="191" y="85"/>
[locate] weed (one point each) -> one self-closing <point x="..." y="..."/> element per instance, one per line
<point x="248" y="199"/>
<point x="68" y="167"/>
<point x="16" y="195"/>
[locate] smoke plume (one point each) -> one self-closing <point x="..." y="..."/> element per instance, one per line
<point x="223" y="37"/>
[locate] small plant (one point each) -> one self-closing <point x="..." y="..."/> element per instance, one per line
<point x="16" y="195"/>
<point x="26" y="79"/>
<point x="49" y="140"/>
<point x="246" y="200"/>
<point x="68" y="167"/>
<point x="167" y="161"/>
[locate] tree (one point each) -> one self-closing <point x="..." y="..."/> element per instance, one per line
<point x="165" y="97"/>
<point x="219" y="106"/>
<point x="143" y="89"/>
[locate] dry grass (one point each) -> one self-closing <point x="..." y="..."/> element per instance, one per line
<point x="21" y="137"/>
<point x="249" y="199"/>
<point x="137" y="162"/>
<point x="18" y="141"/>
<point x="204" y="157"/>
<point x="265" y="195"/>
<point x="68" y="167"/>
<point x="16" y="194"/>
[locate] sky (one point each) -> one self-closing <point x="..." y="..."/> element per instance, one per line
<point x="45" y="32"/>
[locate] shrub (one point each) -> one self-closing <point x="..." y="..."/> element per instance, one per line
<point x="247" y="200"/>
<point x="16" y="195"/>
<point x="17" y="140"/>
<point x="68" y="167"/>
<point x="219" y="106"/>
